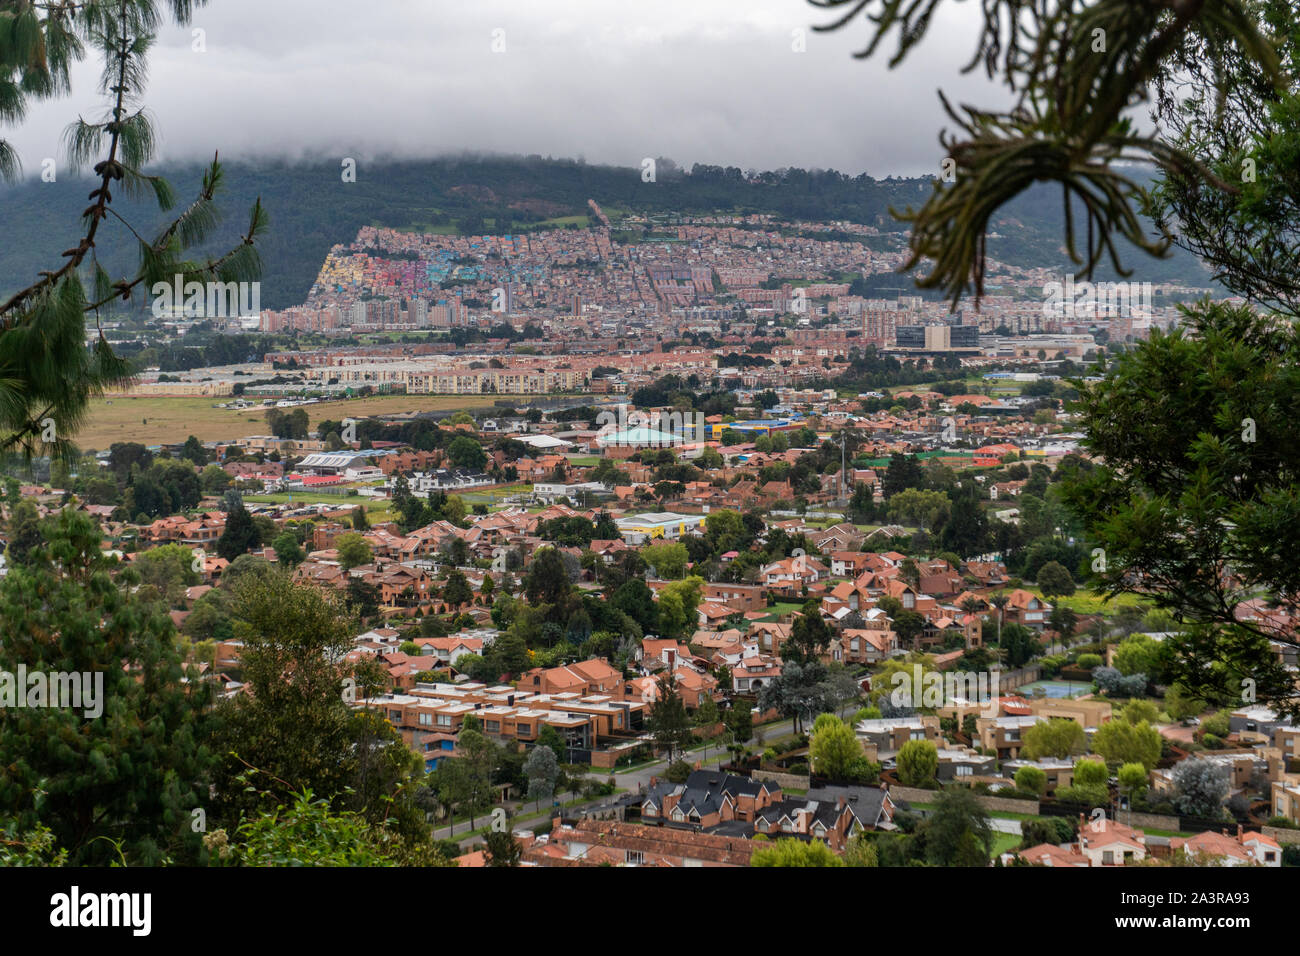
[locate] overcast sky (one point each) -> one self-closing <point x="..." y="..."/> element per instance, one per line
<point x="714" y="81"/>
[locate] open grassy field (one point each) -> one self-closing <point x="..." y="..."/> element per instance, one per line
<point x="491" y="496"/>
<point x="975" y="383"/>
<point x="153" y="420"/>
<point x="785" y="607"/>
<point x="557" y="222"/>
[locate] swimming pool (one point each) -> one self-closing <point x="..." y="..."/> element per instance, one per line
<point x="1054" y="688"/>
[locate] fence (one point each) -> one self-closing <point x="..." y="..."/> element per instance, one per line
<point x="1010" y="680"/>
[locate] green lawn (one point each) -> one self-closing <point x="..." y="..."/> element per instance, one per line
<point x="301" y="498"/>
<point x="995" y="814"/>
<point x="781" y="607"/>
<point x="494" y="495"/>
<point x="1002" y="842"/>
<point x="557" y="222"/>
<point x="1090" y="602"/>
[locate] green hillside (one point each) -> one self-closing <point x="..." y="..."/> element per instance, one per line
<point x="312" y="209"/>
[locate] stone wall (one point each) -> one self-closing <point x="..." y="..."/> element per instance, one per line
<point x="1148" y="821"/>
<point x="1282" y="835"/>
<point x="785" y="781"/>
<point x="998" y="804"/>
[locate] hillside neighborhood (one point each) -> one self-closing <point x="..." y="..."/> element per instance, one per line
<point x="824" y="627"/>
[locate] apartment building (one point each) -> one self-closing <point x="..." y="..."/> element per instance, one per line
<point x="885" y="736"/>
<point x="1005" y="735"/>
<point x="1059" y="771"/>
<point x="587" y="723"/>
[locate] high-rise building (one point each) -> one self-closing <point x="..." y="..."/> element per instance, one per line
<point x="418" y="313"/>
<point x="878" y="326"/>
<point x="937" y="338"/>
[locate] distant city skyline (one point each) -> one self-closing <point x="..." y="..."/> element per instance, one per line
<point x="700" y="81"/>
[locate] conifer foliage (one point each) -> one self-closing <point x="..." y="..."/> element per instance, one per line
<point x="47" y="374"/>
<point x="119" y="777"/>
<point x="1075" y="67"/>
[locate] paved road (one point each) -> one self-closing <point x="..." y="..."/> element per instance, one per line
<point x="711" y="756"/>
<point x="523" y="814"/>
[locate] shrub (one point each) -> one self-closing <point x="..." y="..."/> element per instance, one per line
<point x="1031" y="779"/>
<point x="862" y="771"/>
<point x="678" y="771"/>
<point x="918" y="761"/>
<point x="1053" y="830"/>
<point x="1136" y="711"/>
<point x="1217" y="724"/>
<point x="1089" y="661"/>
<point x="1200" y="787"/>
<point x="1115" y="684"/>
<point x="1092" y="796"/>
<point x="1090" y="773"/>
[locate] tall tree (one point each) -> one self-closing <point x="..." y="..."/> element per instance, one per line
<point x="353" y="550"/>
<point x="128" y="765"/>
<point x="22" y="531"/>
<point x="1222" y="104"/>
<point x="542" y="770"/>
<point x="240" y="534"/>
<point x="833" y="747"/>
<point x="194" y="451"/>
<point x="298" y="726"/>
<point x="800" y="691"/>
<point x="547" y="581"/>
<point x="502" y="849"/>
<point x="809" y="635"/>
<point x="480" y="757"/>
<point x="457" y="591"/>
<point x="918" y="761"/>
<point x="958" y="832"/>
<point x="668" y="722"/>
<point x="1195" y="504"/>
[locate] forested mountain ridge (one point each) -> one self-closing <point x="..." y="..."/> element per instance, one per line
<point x="312" y="209"/>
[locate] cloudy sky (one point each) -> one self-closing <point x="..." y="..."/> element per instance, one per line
<point x="714" y="81"/>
